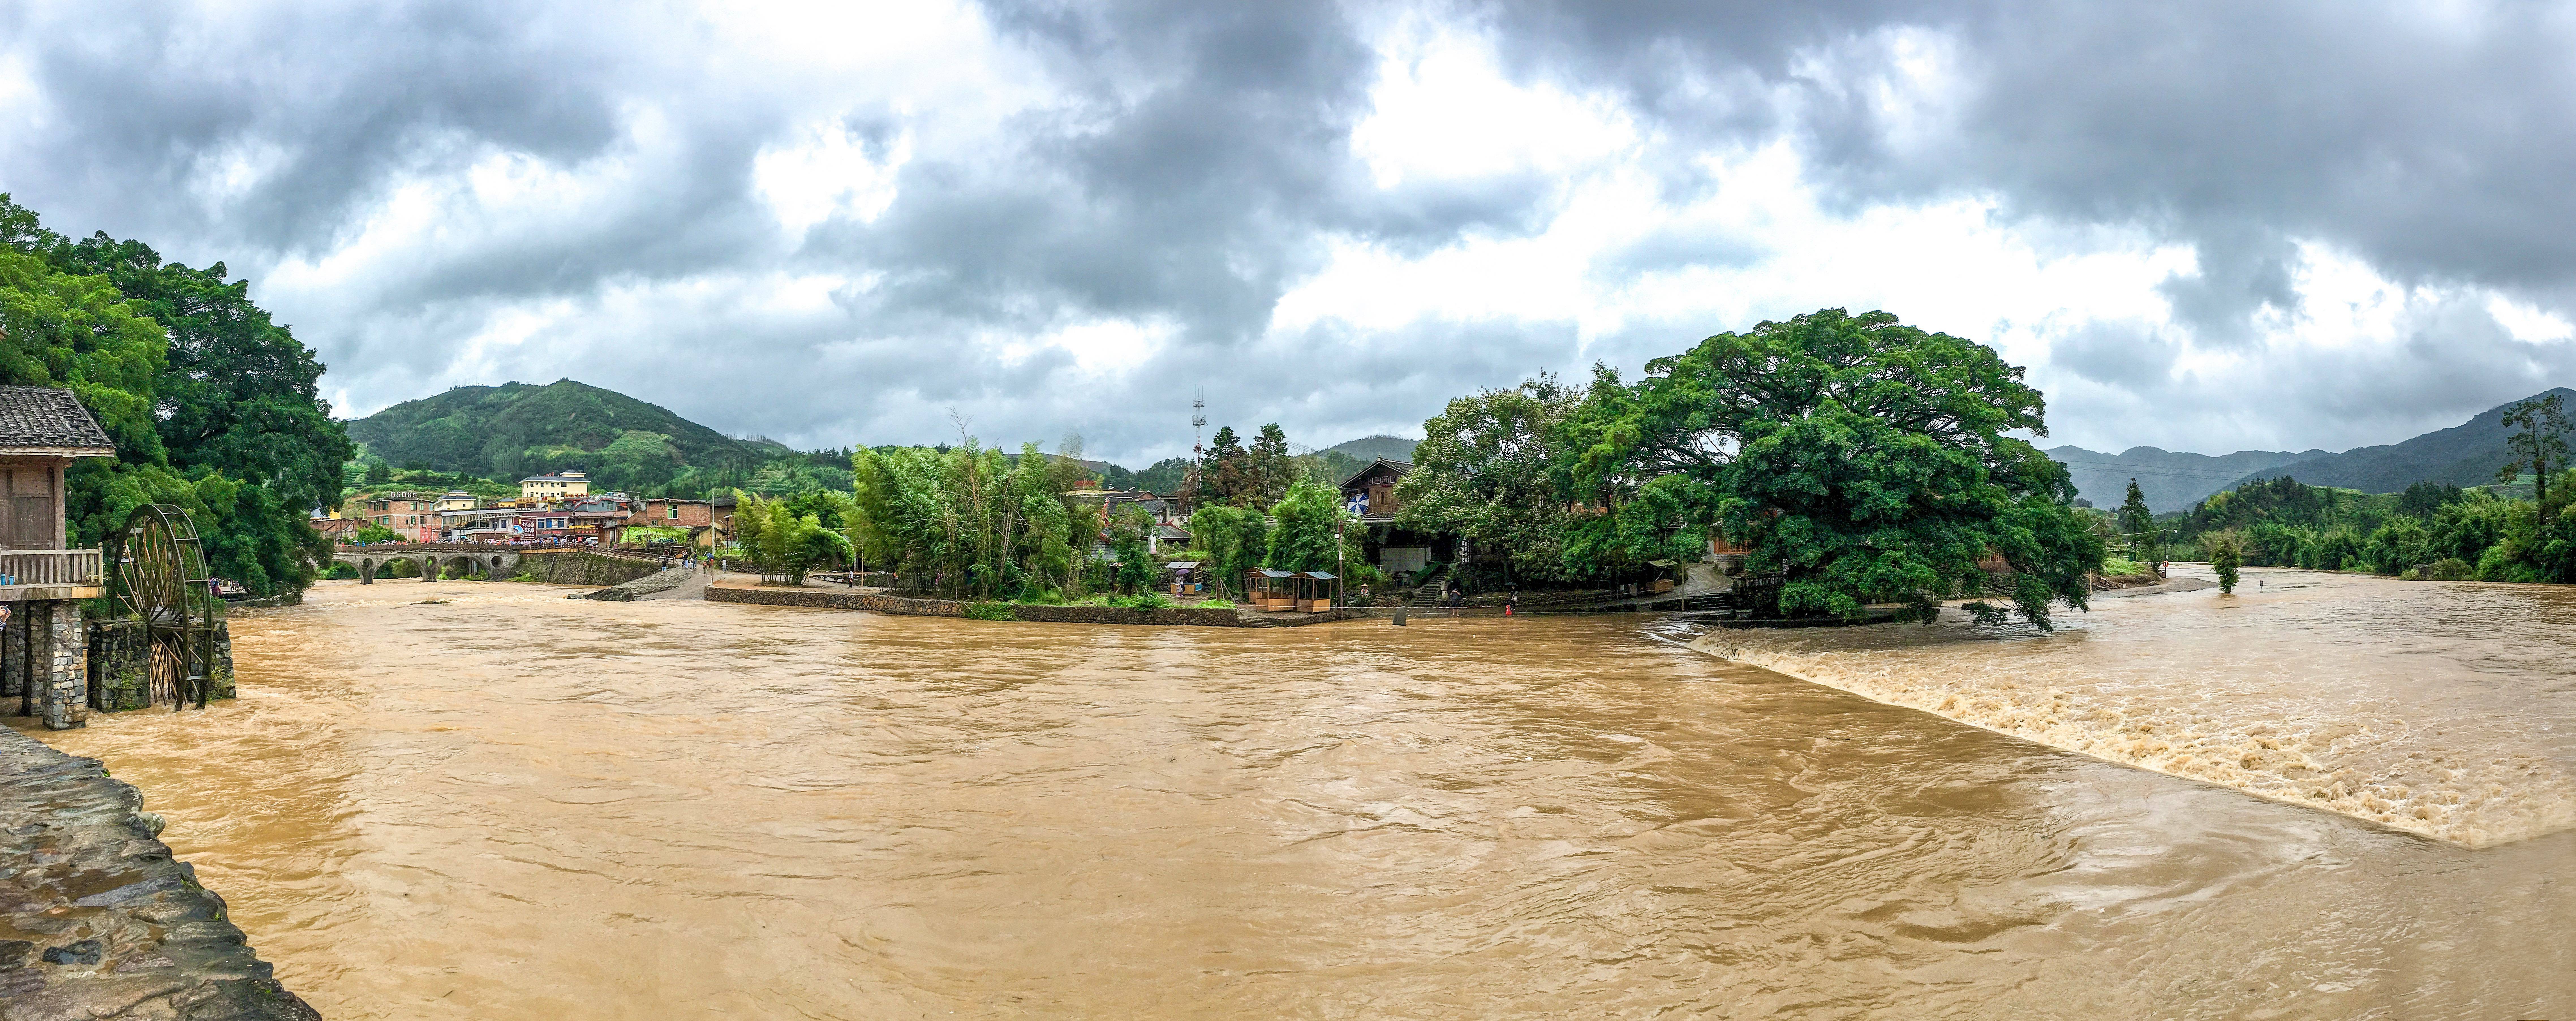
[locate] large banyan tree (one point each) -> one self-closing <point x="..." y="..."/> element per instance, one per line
<point x="1867" y="460"/>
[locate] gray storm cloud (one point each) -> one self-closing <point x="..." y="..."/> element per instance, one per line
<point x="1190" y="164"/>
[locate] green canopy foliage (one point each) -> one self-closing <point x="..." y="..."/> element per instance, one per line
<point x="1236" y="541"/>
<point x="1308" y="528"/>
<point x="2138" y="524"/>
<point x="1868" y="460"/>
<point x="1489" y="467"/>
<point x="782" y="541"/>
<point x="969" y="521"/>
<point x="211" y="406"/>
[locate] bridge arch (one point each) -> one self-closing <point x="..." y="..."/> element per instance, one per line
<point x="464" y="559"/>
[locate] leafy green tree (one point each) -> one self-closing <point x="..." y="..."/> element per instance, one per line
<point x="1868" y="460"/>
<point x="1236" y="541"/>
<point x="1487" y="469"/>
<point x="378" y="473"/>
<point x="1270" y="467"/>
<point x="1225" y="471"/>
<point x="1131" y="544"/>
<point x="2541" y="444"/>
<point x="2225" y="557"/>
<point x="781" y="541"/>
<point x="969" y="521"/>
<point x="372" y="533"/>
<point x="237" y="432"/>
<point x="2139" y="524"/>
<point x="1313" y="533"/>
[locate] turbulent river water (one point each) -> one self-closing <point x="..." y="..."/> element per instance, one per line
<point x="510" y="805"/>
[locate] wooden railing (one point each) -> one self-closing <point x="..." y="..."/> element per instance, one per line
<point x="49" y="567"/>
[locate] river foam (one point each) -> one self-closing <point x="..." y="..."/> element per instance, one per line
<point x="2442" y="710"/>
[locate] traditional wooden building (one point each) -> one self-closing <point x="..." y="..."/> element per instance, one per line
<point x="44" y="647"/>
<point x="1370" y="493"/>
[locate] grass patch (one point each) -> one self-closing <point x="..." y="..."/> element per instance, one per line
<point x="2116" y="567"/>
<point x="990" y="611"/>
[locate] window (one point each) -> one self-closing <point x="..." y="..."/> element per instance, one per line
<point x="675" y="512"/>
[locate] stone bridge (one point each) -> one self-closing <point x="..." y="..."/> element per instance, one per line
<point x="457" y="559"/>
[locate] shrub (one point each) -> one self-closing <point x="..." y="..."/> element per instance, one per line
<point x="1216" y="604"/>
<point x="990" y="611"/>
<point x="2449" y="569"/>
<point x="2115" y="568"/>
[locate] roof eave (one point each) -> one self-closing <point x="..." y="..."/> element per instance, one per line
<point x="57" y="451"/>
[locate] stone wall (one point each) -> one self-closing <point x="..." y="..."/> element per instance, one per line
<point x="660" y="581"/>
<point x="97" y="921"/>
<point x="1174" y="616"/>
<point x="44" y="663"/>
<point x="580" y="568"/>
<point x="120" y="665"/>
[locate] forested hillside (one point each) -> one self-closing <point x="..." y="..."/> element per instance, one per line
<point x="515" y="429"/>
<point x="2467" y="454"/>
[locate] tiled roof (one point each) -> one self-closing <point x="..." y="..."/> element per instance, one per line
<point x="36" y="416"/>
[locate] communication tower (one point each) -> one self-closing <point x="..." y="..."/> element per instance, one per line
<point x="1198" y="422"/>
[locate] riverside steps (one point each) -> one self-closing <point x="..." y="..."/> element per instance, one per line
<point x="97" y="920"/>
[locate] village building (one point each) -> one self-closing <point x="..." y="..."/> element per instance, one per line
<point x="414" y="515"/>
<point x="721" y="509"/>
<point x="457" y="499"/>
<point x="44" y="643"/>
<point x="697" y="517"/>
<point x="1369" y="494"/>
<point x="557" y="486"/>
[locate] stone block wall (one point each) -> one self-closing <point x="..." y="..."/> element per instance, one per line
<point x="44" y="663"/>
<point x="120" y="665"/>
<point x="589" y="569"/>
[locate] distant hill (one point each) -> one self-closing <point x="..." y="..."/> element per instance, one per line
<point x="2170" y="480"/>
<point x="1370" y="448"/>
<point x="2467" y="454"/>
<point x="521" y="428"/>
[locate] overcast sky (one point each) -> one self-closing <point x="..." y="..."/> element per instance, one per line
<point x="2203" y="226"/>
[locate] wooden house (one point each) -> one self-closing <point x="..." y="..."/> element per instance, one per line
<point x="43" y="643"/>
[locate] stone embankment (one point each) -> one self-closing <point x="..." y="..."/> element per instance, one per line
<point x="658" y="582"/>
<point x="97" y="921"/>
<point x="584" y="568"/>
<point x="1182" y="616"/>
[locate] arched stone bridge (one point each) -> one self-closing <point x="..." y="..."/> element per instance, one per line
<point x="457" y="559"/>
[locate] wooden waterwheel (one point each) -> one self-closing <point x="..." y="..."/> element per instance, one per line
<point x="158" y="571"/>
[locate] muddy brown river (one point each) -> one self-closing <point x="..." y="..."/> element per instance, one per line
<point x="515" y="806"/>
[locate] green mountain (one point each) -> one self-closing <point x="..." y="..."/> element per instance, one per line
<point x="1370" y="448"/>
<point x="2467" y="454"/>
<point x="504" y="432"/>
<point x="2171" y="480"/>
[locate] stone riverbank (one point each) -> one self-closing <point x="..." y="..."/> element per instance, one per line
<point x="97" y="920"/>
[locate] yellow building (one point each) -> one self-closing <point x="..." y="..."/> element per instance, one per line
<point x="559" y="486"/>
<point x="457" y="499"/>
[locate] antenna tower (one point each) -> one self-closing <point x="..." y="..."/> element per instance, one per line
<point x="1198" y="422"/>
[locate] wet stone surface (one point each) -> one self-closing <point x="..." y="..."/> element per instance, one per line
<point x="97" y="920"/>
